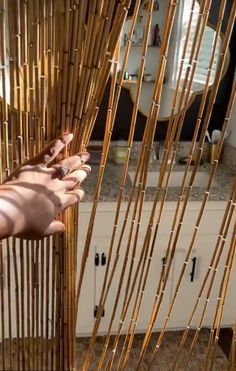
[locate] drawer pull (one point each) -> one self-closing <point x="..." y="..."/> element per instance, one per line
<point x="103" y="259"/>
<point x="96" y="260"/>
<point x="194" y="260"/>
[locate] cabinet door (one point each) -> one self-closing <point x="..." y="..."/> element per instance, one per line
<point x="192" y="282"/>
<point x="229" y="308"/>
<point x="85" y="317"/>
<point x="102" y="245"/>
<point x="155" y="270"/>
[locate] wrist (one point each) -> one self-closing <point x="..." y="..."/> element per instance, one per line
<point x="10" y="220"/>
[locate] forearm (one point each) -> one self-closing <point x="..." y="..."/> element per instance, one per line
<point x="9" y="213"/>
<point x="5" y="230"/>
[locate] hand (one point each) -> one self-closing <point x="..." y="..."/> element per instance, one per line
<point x="35" y="193"/>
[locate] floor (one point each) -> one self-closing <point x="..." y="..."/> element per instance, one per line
<point x="41" y="352"/>
<point x="166" y="355"/>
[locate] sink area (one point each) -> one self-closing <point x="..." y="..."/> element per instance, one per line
<point x="201" y="178"/>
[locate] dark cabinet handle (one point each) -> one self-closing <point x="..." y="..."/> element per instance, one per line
<point x="103" y="259"/>
<point x="96" y="260"/>
<point x="194" y="260"/>
<point x="96" y="310"/>
<point x="163" y="267"/>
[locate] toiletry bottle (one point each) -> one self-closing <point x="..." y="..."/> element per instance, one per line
<point x="156" y="36"/>
<point x="140" y="30"/>
<point x="125" y="39"/>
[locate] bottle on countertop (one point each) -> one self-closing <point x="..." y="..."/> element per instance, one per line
<point x="157" y="36"/>
<point x="156" y="6"/>
<point x="125" y="39"/>
<point x="139" y="30"/>
<point x="134" y="38"/>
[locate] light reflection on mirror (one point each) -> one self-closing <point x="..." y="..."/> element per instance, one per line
<point x="174" y="55"/>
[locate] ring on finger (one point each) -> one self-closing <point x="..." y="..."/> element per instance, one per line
<point x="62" y="171"/>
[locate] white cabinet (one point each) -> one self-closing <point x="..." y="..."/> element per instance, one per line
<point x="192" y="280"/>
<point x="196" y="273"/>
<point x="99" y="249"/>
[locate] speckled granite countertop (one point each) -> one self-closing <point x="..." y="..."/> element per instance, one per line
<point x="220" y="190"/>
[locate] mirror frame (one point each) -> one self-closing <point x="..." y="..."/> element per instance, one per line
<point x="195" y="93"/>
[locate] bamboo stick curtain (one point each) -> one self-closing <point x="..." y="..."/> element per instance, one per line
<point x="56" y="57"/>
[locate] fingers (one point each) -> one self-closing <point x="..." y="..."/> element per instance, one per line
<point x="51" y="151"/>
<point x="55" y="227"/>
<point x="71" y="198"/>
<point x="71" y="163"/>
<point x="76" y="177"/>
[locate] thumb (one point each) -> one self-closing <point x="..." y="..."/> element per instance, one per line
<point x="55" y="227"/>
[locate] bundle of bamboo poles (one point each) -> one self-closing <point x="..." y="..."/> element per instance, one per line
<point x="56" y="57"/>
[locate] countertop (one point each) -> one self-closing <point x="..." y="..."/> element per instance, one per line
<point x="220" y="190"/>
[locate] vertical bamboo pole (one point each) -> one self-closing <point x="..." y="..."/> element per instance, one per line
<point x="22" y="303"/>
<point x="222" y="296"/>
<point x="3" y="346"/>
<point x="17" y="302"/>
<point x="10" y="318"/>
<point x="134" y="116"/>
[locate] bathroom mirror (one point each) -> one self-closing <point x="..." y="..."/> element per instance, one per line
<point x="174" y="57"/>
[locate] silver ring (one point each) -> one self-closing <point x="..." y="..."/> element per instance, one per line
<point x="63" y="171"/>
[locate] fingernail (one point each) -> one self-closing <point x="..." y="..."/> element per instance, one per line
<point x="84" y="156"/>
<point x="67" y="137"/>
<point x="86" y="168"/>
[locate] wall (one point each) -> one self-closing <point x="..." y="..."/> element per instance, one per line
<point x="125" y="108"/>
<point x="232" y="127"/>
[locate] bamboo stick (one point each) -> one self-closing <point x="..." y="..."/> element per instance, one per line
<point x="140" y="183"/>
<point x="22" y="302"/>
<point x="42" y="283"/>
<point x="28" y="295"/>
<point x="232" y="351"/>
<point x="17" y="302"/>
<point x="47" y="267"/>
<point x="170" y="120"/>
<point x="8" y="247"/>
<point x="54" y="272"/>
<point x="134" y="116"/>
<point x="212" y="266"/>
<point x="229" y="111"/>
<point x="103" y="161"/>
<point x="222" y="295"/>
<point x="51" y="89"/>
<point x="3" y="346"/>
<point x="33" y="280"/>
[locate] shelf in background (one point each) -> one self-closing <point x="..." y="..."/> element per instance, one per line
<point x="131" y="82"/>
<point x="139" y="45"/>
